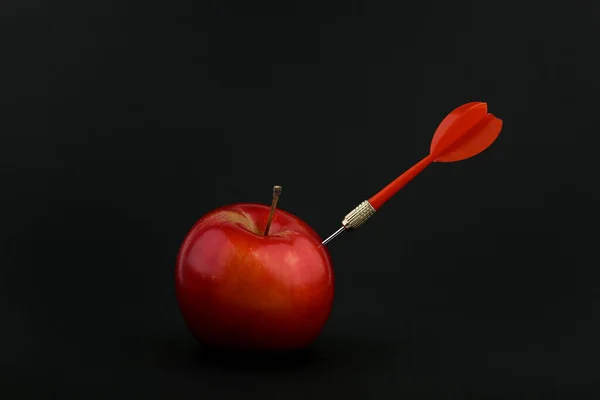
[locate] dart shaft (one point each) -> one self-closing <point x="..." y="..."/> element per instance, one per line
<point x="394" y="187"/>
<point x="367" y="208"/>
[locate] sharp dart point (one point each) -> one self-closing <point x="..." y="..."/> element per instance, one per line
<point x="333" y="236"/>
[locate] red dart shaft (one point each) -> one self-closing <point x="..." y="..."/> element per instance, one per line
<point x="390" y="190"/>
<point x="367" y="208"/>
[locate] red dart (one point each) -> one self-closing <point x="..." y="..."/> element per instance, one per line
<point x="464" y="133"/>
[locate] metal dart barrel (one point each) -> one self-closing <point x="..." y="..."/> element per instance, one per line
<point x="353" y="219"/>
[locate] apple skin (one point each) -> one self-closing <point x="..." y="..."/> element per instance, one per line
<point x="238" y="289"/>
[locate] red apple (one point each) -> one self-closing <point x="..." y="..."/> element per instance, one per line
<point x="239" y="289"/>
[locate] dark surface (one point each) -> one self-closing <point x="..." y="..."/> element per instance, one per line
<point x="122" y="123"/>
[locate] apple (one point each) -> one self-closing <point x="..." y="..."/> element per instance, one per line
<point x="238" y="288"/>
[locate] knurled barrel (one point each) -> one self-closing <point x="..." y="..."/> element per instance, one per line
<point x="358" y="216"/>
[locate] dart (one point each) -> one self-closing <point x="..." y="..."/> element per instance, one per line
<point x="465" y="132"/>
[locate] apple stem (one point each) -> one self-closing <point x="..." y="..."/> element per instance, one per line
<point x="276" y="193"/>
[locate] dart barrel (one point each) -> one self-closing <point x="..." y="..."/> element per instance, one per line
<point x="358" y="216"/>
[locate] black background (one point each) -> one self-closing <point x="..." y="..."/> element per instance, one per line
<point x="122" y="123"/>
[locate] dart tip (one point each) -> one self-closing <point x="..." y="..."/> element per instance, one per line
<point x="333" y="236"/>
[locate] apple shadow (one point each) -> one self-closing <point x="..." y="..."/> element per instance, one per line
<point x="329" y="352"/>
<point x="272" y="361"/>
